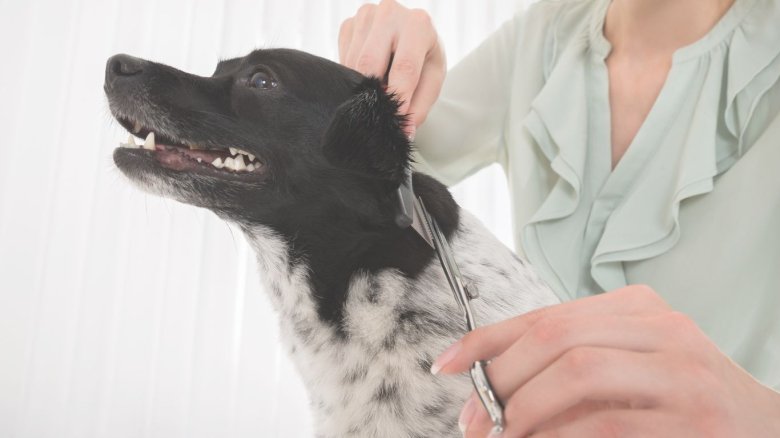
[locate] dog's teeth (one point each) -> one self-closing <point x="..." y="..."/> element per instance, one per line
<point x="130" y="143"/>
<point x="149" y="143"/>
<point x="136" y="128"/>
<point x="251" y="157"/>
<point x="238" y="163"/>
<point x="200" y="159"/>
<point x="233" y="151"/>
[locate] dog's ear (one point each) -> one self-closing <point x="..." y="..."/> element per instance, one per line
<point x="366" y="134"/>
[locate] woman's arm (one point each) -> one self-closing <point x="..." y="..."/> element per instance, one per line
<point x="465" y="128"/>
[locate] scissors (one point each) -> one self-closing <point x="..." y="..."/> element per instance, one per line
<point x="412" y="212"/>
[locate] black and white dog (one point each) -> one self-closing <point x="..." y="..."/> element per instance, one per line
<point x="305" y="155"/>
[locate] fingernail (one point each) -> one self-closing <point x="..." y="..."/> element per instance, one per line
<point x="495" y="433"/>
<point x="466" y="414"/>
<point x="412" y="132"/>
<point x="445" y="357"/>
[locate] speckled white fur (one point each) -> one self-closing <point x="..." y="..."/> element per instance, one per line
<point x="376" y="382"/>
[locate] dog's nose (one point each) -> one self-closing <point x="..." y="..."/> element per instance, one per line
<point x="122" y="66"/>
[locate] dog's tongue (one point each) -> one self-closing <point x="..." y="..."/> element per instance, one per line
<point x="179" y="158"/>
<point x="207" y="155"/>
<point x="175" y="160"/>
<point x="184" y="159"/>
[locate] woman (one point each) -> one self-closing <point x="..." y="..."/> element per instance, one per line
<point x="685" y="200"/>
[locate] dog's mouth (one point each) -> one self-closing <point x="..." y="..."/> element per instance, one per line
<point x="188" y="156"/>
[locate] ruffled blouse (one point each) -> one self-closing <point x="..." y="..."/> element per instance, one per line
<point x="534" y="97"/>
<point x="596" y="218"/>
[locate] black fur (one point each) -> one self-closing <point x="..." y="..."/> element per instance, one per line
<point x="333" y="148"/>
<point x="366" y="134"/>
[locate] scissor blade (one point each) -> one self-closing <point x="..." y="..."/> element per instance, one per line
<point x="421" y="225"/>
<point x="448" y="264"/>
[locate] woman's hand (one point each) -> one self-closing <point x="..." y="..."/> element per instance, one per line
<point x="389" y="32"/>
<point x="616" y="364"/>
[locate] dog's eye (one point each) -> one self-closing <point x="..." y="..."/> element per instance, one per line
<point x="262" y="80"/>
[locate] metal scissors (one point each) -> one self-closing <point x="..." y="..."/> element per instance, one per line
<point x="417" y="216"/>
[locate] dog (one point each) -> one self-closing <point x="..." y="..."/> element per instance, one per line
<point x="304" y="156"/>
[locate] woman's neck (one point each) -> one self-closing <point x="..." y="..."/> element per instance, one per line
<point x="653" y="27"/>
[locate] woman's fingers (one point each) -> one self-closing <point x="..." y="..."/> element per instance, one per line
<point x="402" y="42"/>
<point x="361" y="27"/>
<point x="616" y="423"/>
<point x="552" y="338"/>
<point x="585" y="373"/>
<point x="428" y="88"/>
<point x="377" y="49"/>
<point x="411" y="53"/>
<point x="583" y="409"/>
<point x="490" y="341"/>
<point x="345" y="38"/>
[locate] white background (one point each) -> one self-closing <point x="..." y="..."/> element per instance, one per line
<point x="125" y="315"/>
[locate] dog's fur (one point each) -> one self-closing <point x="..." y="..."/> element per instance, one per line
<point x="364" y="306"/>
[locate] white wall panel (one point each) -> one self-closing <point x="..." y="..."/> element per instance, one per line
<point x="126" y="315"/>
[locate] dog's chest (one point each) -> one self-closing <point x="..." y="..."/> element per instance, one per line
<point x="376" y="380"/>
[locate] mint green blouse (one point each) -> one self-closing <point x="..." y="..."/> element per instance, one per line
<point x="692" y="208"/>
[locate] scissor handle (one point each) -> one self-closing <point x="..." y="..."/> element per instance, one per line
<point x="486" y="395"/>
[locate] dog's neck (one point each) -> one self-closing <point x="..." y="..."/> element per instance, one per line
<point x="340" y="243"/>
<point x="371" y="376"/>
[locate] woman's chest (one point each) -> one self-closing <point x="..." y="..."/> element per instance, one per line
<point x="634" y="87"/>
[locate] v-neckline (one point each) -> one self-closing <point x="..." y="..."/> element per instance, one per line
<point x="638" y="147"/>
<point x="636" y="151"/>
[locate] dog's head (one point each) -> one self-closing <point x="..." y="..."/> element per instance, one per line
<point x="284" y="140"/>
<point x="266" y="139"/>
